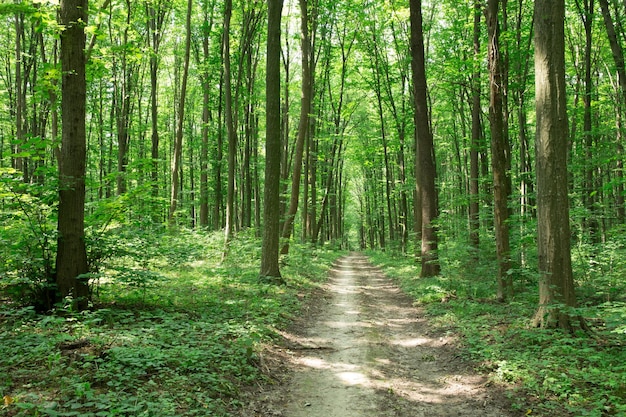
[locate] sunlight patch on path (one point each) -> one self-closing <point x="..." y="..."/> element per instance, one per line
<point x="368" y="354"/>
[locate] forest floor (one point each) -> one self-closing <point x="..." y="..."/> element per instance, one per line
<point x="362" y="349"/>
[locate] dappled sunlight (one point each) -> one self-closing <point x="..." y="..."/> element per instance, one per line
<point x="370" y="344"/>
<point x="418" y="341"/>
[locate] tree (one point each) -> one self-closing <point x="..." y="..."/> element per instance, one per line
<point x="556" y="285"/>
<point x="425" y="157"/>
<point x="303" y="125"/>
<point x="157" y="12"/>
<point x="474" y="197"/>
<point x="230" y="126"/>
<point x="71" y="262"/>
<point x="178" y="144"/>
<point x="499" y="154"/>
<point x="271" y="208"/>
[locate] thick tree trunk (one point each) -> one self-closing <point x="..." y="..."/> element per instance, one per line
<point x="71" y="262"/>
<point x="271" y="209"/>
<point x="556" y="285"/>
<point x="425" y="148"/>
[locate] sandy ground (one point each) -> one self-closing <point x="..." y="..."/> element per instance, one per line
<point x="363" y="350"/>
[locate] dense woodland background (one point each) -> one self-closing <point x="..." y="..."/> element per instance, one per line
<point x="176" y="133"/>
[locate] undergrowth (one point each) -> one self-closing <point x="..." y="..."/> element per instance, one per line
<point x="547" y="372"/>
<point x="173" y="331"/>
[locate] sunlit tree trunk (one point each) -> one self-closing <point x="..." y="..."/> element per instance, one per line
<point x="556" y="285"/>
<point x="425" y="157"/>
<point x="71" y="262"/>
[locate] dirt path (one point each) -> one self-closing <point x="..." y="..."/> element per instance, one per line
<point x="366" y="352"/>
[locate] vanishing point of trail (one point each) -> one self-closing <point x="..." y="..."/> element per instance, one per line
<point x="367" y="352"/>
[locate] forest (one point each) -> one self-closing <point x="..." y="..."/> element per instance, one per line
<point x="177" y="177"/>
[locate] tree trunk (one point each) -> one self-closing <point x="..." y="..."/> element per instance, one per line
<point x="156" y="17"/>
<point x="303" y="125"/>
<point x="178" y="144"/>
<point x="20" y="97"/>
<point x="616" y="47"/>
<point x="230" y="128"/>
<point x="556" y="285"/>
<point x="71" y="262"/>
<point x="425" y="157"/>
<point x="474" y="192"/>
<point x="271" y="210"/>
<point x="499" y="160"/>
<point x="206" y="118"/>
<point x="618" y="58"/>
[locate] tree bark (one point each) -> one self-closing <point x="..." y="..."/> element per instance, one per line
<point x="499" y="159"/>
<point x="230" y="128"/>
<point x="71" y="262"/>
<point x="474" y="193"/>
<point x="271" y="210"/>
<point x="178" y="143"/>
<point x="156" y="18"/>
<point x="425" y="157"/>
<point x="556" y="285"/>
<point x="303" y="124"/>
<point x="616" y="47"/>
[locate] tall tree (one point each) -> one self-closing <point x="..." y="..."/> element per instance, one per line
<point x="230" y="126"/>
<point x="556" y="285"/>
<point x="157" y="12"/>
<point x="425" y="157"/>
<point x="474" y="202"/>
<point x="499" y="155"/>
<point x="71" y="262"/>
<point x="180" y="118"/>
<point x="271" y="208"/>
<point x="303" y="125"/>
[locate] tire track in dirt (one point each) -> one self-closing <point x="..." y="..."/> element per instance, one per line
<point x="368" y="352"/>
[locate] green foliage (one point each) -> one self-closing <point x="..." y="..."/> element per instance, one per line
<point x="179" y="345"/>
<point x="548" y="372"/>
<point x="27" y="240"/>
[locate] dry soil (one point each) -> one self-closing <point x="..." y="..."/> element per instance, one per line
<point x="363" y="350"/>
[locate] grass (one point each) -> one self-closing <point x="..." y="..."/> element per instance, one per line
<point x="175" y="333"/>
<point x="547" y="372"/>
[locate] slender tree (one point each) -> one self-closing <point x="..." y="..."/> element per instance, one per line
<point x="425" y="157"/>
<point x="303" y="125"/>
<point x="499" y="155"/>
<point x="71" y="262"/>
<point x="157" y="12"/>
<point x="474" y="197"/>
<point x="556" y="285"/>
<point x="271" y="209"/>
<point x="230" y="126"/>
<point x="178" y="143"/>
